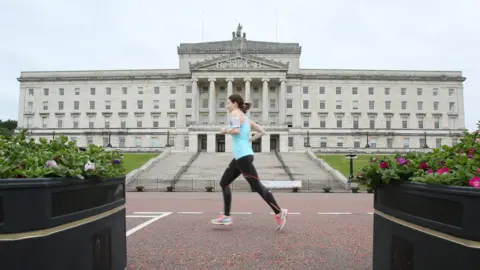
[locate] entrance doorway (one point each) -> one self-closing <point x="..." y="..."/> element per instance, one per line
<point x="274" y="142"/>
<point x="220" y="139"/>
<point x="202" y="142"/>
<point x="257" y="145"/>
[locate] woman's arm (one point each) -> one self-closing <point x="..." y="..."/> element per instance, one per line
<point x="234" y="127"/>
<point x="260" y="131"/>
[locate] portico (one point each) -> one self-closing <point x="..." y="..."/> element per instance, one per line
<point x="263" y="93"/>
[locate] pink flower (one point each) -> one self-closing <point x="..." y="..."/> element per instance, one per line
<point x="402" y="161"/>
<point x="475" y="182"/>
<point x="477" y="140"/>
<point x="384" y="165"/>
<point x="430" y="171"/>
<point x="423" y="165"/>
<point x="443" y="170"/>
<point x="478" y="170"/>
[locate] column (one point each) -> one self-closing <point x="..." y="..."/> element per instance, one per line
<point x="282" y="102"/>
<point x="195" y="101"/>
<point x="247" y="89"/>
<point x="229" y="86"/>
<point x="211" y="102"/>
<point x="265" y="101"/>
<point x="266" y="143"/>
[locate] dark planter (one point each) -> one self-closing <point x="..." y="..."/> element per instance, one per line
<point x="419" y="226"/>
<point x="209" y="189"/>
<point x="62" y="224"/>
<point x="327" y="189"/>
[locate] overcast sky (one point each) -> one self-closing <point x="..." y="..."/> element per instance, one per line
<point x="127" y="34"/>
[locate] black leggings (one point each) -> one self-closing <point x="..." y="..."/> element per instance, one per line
<point x="245" y="166"/>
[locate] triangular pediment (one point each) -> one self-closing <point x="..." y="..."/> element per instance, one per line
<point x="239" y="61"/>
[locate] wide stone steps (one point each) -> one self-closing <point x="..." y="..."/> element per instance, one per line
<point x="312" y="175"/>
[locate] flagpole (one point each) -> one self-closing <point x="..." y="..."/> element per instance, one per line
<point x="202" y="25"/>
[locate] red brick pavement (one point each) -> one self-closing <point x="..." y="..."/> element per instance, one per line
<point x="308" y="241"/>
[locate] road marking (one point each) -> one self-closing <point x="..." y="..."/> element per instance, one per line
<point x="288" y="213"/>
<point x="370" y="213"/>
<point x="146" y="223"/>
<point x="334" y="213"/>
<point x="152" y="213"/>
<point x="141" y="216"/>
<point x="239" y="213"/>
<point x="190" y="213"/>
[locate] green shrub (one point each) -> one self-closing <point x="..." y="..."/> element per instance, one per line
<point x="23" y="158"/>
<point x="457" y="165"/>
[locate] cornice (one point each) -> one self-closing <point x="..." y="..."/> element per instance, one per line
<point x="54" y="78"/>
<point x="441" y="78"/>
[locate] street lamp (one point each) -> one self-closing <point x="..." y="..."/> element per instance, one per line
<point x="425" y="138"/>
<point x="109" y="145"/>
<point x="353" y="185"/>
<point x="367" y="145"/>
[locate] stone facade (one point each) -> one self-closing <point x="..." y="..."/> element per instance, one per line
<point x="323" y="108"/>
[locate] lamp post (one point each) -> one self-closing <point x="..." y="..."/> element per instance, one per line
<point x="168" y="139"/>
<point x="367" y="145"/>
<point x="109" y="145"/>
<point x="351" y="156"/>
<point x="425" y="138"/>
<point x="308" y="139"/>
<point x="53" y="135"/>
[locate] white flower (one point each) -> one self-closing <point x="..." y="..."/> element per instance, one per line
<point x="51" y="163"/>
<point x="89" y="166"/>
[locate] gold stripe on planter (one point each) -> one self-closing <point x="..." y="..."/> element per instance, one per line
<point x="451" y="238"/>
<point x="63" y="227"/>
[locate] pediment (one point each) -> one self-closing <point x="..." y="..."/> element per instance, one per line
<point x="239" y="62"/>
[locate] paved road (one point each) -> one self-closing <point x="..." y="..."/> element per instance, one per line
<point x="324" y="231"/>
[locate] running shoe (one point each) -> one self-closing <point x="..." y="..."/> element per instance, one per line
<point x="222" y="220"/>
<point x="281" y="218"/>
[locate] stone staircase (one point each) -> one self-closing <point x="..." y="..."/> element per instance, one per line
<point x="160" y="175"/>
<point x="313" y="176"/>
<point x="208" y="169"/>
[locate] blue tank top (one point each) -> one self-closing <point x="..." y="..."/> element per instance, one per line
<point x="241" y="144"/>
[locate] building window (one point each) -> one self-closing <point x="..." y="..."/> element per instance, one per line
<point x="338" y="90"/>
<point x="305" y="104"/>
<point x="321" y="90"/>
<point x="92" y="91"/>
<point x="290" y="141"/>
<point x="370" y="91"/>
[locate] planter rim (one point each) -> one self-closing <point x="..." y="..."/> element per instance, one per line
<point x="53" y="181"/>
<point x="439" y="188"/>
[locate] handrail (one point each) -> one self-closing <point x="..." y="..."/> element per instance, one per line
<point x="285" y="167"/>
<point x="185" y="167"/>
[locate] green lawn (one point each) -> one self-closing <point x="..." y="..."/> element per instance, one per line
<point x="341" y="164"/>
<point x="134" y="161"/>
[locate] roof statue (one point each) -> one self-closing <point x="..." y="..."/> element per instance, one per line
<point x="239" y="30"/>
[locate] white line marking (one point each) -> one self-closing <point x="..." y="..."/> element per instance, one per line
<point x="370" y="213"/>
<point x="152" y="213"/>
<point x="146" y="223"/>
<point x="239" y="213"/>
<point x="192" y="213"/>
<point x="288" y="213"/>
<point x="334" y="213"/>
<point x="130" y="216"/>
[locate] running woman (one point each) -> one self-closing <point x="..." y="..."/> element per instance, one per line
<point x="242" y="163"/>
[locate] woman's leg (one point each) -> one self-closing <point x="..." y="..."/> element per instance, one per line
<point x="230" y="174"/>
<point x="245" y="165"/>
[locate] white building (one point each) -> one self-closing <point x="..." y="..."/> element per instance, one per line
<point x="326" y="108"/>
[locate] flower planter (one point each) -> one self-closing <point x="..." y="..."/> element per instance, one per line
<point x="426" y="226"/>
<point x="209" y="189"/>
<point x="55" y="223"/>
